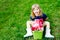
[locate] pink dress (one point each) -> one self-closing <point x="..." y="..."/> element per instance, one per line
<point x="38" y="24"/>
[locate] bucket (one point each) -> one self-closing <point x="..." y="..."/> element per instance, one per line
<point x="37" y="34"/>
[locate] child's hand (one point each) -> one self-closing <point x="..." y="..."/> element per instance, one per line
<point x="41" y="29"/>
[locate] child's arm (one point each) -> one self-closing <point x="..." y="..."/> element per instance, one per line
<point x="45" y="17"/>
<point x="32" y="18"/>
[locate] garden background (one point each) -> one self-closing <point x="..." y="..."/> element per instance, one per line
<point x="15" y="13"/>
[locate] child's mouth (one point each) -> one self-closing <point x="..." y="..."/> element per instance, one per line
<point x="36" y="12"/>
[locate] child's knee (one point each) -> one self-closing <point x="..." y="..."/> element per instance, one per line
<point x="28" y="22"/>
<point x="47" y="22"/>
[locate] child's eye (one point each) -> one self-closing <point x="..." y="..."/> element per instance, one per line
<point x="37" y="9"/>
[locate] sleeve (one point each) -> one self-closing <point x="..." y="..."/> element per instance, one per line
<point x="44" y="16"/>
<point x="32" y="18"/>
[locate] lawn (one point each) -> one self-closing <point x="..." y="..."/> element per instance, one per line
<point x="15" y="13"/>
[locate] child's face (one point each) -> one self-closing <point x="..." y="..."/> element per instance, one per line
<point x="36" y="11"/>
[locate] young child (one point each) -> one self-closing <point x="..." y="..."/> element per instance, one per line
<point x="38" y="14"/>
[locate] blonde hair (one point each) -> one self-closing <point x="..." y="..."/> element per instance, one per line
<point x="32" y="13"/>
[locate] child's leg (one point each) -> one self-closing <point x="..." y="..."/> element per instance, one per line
<point x="48" y="34"/>
<point x="28" y="29"/>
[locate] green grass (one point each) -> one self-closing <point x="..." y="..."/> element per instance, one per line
<point x="15" y="13"/>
